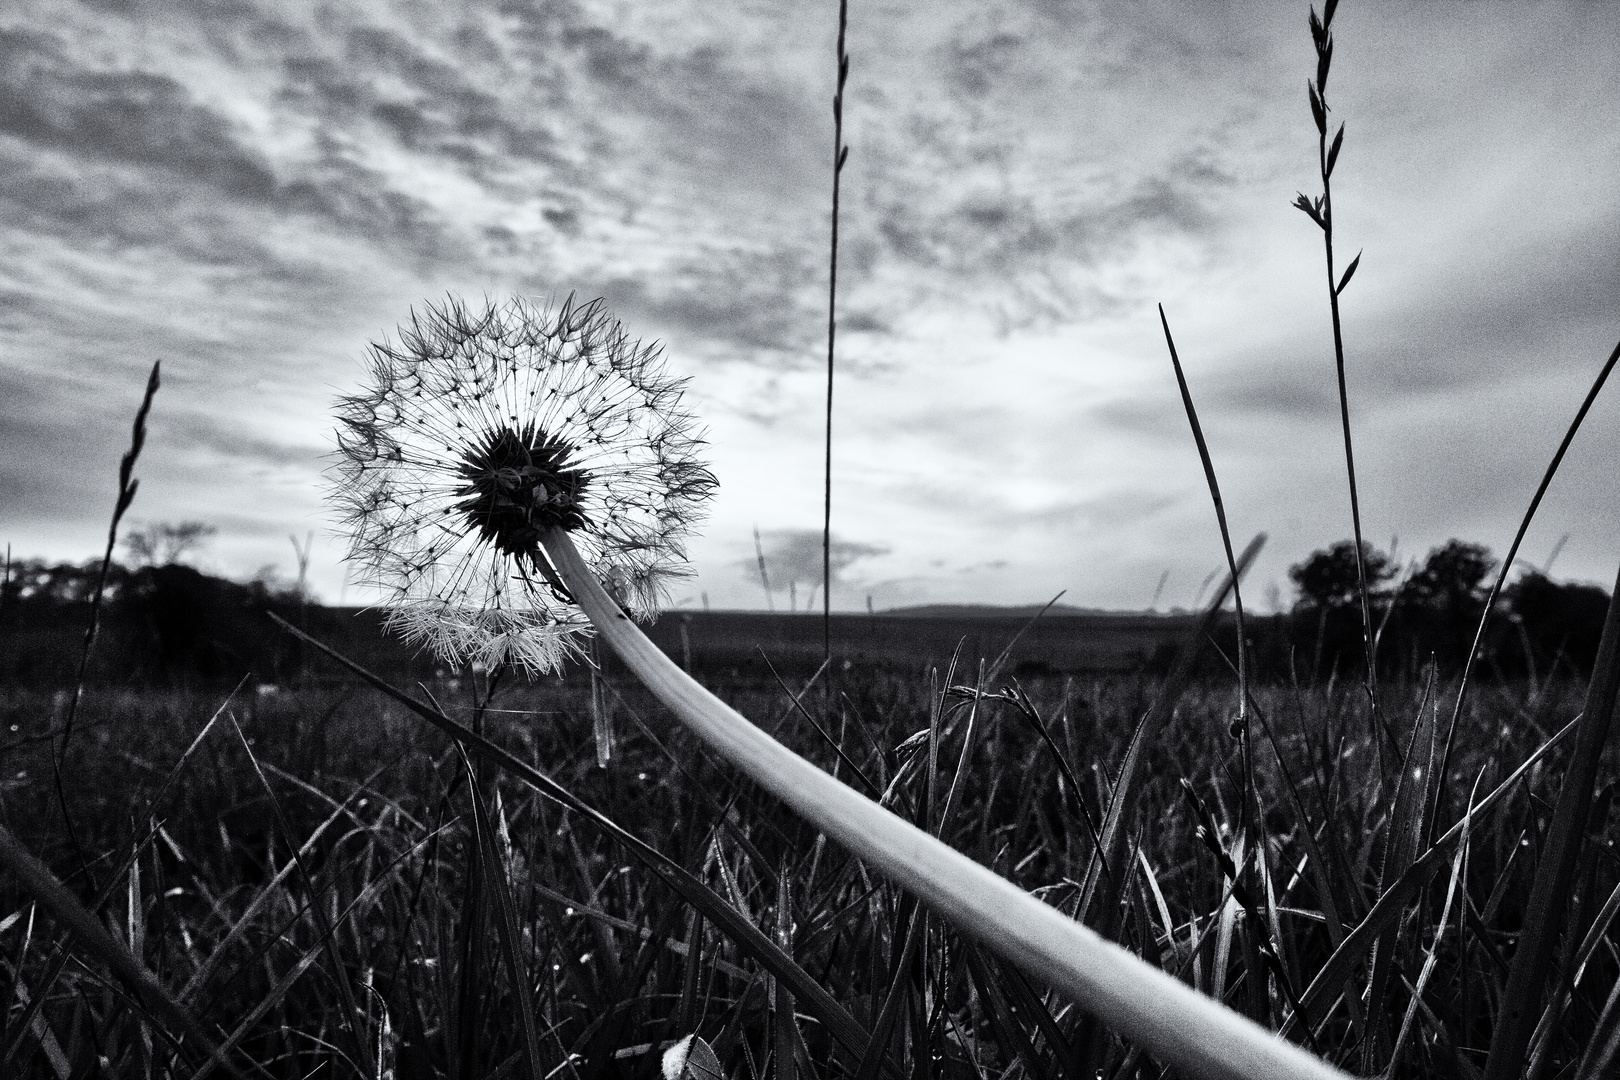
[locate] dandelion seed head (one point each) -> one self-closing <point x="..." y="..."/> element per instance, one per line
<point x="480" y="429"/>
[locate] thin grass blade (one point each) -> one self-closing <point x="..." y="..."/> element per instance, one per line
<point x="1122" y="804"/>
<point x="1598" y="1060"/>
<point x="1004" y="1024"/>
<point x="785" y="1031"/>
<point x="1555" y="1009"/>
<point x="506" y="923"/>
<point x="1413" y="789"/>
<point x="899" y="985"/>
<point x="1549" y="892"/>
<point x="1510" y="561"/>
<point x="1433" y="954"/>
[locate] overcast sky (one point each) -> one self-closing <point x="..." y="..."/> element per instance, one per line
<point x="252" y="191"/>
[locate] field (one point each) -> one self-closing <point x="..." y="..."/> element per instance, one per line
<point x="325" y="879"/>
<point x="1093" y="643"/>
<point x="224" y="649"/>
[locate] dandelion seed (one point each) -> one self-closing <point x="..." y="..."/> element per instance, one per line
<point x="483" y="428"/>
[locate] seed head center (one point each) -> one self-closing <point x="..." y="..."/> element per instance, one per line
<point x="520" y="483"/>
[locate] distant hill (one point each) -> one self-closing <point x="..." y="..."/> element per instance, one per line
<point x="998" y="611"/>
<point x="1063" y="640"/>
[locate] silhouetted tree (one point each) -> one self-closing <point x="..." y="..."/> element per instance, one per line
<point x="1562" y="622"/>
<point x="1452" y="578"/>
<point x="1439" y="606"/>
<point x="1328" y="579"/>
<point x="1330" y="588"/>
<point x="165" y="543"/>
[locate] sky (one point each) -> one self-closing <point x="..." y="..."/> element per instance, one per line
<point x="252" y="191"/>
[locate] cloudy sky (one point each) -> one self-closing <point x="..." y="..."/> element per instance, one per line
<point x="251" y="191"/>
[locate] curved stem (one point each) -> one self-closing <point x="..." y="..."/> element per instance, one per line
<point x="1167" y="1017"/>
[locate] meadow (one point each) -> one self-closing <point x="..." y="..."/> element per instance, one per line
<point x="279" y="859"/>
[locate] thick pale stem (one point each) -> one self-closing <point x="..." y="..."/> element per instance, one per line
<point x="1177" y="1024"/>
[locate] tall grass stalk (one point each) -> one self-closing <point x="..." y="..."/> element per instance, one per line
<point x="840" y="156"/>
<point x="127" y="486"/>
<point x="1320" y="210"/>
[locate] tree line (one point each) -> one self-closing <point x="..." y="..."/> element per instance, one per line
<point x="1432" y="610"/>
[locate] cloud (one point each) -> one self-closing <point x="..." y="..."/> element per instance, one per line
<point x="1489" y="328"/>
<point x="795" y="556"/>
<point x="124" y="117"/>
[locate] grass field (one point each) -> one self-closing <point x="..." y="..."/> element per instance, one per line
<point x="390" y="902"/>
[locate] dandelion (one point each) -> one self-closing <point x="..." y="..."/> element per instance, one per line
<point x="509" y="467"/>
<point x="483" y="428"/>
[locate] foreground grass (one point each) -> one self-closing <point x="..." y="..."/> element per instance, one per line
<point x="390" y="907"/>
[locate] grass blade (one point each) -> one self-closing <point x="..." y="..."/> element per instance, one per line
<point x="1412" y="792"/>
<point x="1598" y="1059"/>
<point x="798" y="705"/>
<point x="1226" y="544"/>
<point x="1594" y="936"/>
<point x="1024" y="998"/>
<point x="1026" y="708"/>
<point x="506" y="925"/>
<point x="1512" y="557"/>
<point x="1004" y="1025"/>
<point x="1122" y="806"/>
<point x="1001" y="657"/>
<point x="1429" y="961"/>
<point x="786" y="1032"/>
<point x="883" y="1026"/>
<point x="1549" y="893"/>
<point x="686" y="1016"/>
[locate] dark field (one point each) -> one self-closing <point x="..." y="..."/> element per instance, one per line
<point x="1059" y="642"/>
<point x="431" y="908"/>
<point x="176" y="626"/>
